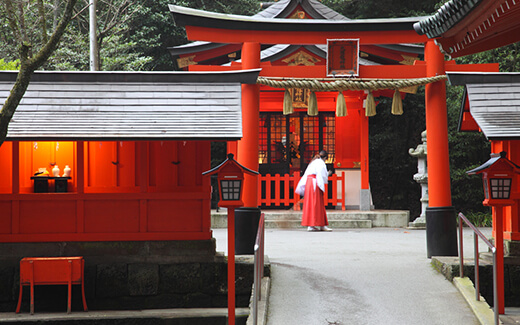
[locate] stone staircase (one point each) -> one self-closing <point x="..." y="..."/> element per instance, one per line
<point x="337" y="218"/>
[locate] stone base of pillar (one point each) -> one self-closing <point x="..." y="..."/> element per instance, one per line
<point x="441" y="231"/>
<point x="365" y="200"/>
<point x="419" y="223"/>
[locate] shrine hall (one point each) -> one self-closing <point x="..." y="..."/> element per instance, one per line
<point x="295" y="108"/>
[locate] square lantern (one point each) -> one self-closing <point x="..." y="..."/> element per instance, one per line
<point x="230" y="188"/>
<point x="230" y="175"/>
<point x="499" y="179"/>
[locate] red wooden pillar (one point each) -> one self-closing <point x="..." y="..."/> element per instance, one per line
<point x="441" y="226"/>
<point x="247" y="151"/>
<point x="511" y="213"/>
<point x="231" y="265"/>
<point x="499" y="245"/>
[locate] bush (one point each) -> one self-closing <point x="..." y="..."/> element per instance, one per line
<point x="480" y="219"/>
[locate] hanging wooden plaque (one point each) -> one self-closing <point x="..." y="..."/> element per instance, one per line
<point x="342" y="57"/>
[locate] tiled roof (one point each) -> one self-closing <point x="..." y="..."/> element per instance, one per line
<point x="280" y="9"/>
<point x="130" y="106"/>
<point x="446" y="17"/>
<point x="494" y="102"/>
<point x="314" y="8"/>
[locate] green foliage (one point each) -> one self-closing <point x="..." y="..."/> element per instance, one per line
<point x="218" y="152"/>
<point x="507" y="56"/>
<point x="480" y="219"/>
<point x="356" y="9"/>
<point x="120" y="56"/>
<point x="140" y="40"/>
<point x="11" y="65"/>
<point x="391" y="167"/>
<point x="153" y="29"/>
<point x="74" y="56"/>
<point x="8" y="50"/>
<point x="467" y="151"/>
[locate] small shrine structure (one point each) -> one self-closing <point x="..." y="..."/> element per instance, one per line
<point x="135" y="204"/>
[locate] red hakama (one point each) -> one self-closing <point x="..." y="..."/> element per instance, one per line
<point x="314" y="214"/>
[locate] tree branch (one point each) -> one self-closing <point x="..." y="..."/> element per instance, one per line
<point x="43" y="21"/>
<point x="27" y="68"/>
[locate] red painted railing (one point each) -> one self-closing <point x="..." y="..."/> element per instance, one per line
<point x="278" y="190"/>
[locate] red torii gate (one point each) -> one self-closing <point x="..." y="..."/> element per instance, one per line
<point x="220" y="28"/>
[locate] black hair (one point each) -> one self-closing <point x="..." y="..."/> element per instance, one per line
<point x="323" y="154"/>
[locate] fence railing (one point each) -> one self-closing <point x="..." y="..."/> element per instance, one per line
<point x="259" y="268"/>
<point x="278" y="190"/>
<point x="476" y="235"/>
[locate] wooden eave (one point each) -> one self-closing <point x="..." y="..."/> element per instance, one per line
<point x="493" y="100"/>
<point x="463" y="27"/>
<point x="242" y="76"/>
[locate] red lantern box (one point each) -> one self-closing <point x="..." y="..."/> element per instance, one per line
<point x="230" y="181"/>
<point x="499" y="179"/>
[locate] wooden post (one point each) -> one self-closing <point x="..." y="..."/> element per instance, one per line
<point x="441" y="224"/>
<point x="248" y="145"/>
<point x="231" y="265"/>
<point x="499" y="245"/>
<point x="439" y="189"/>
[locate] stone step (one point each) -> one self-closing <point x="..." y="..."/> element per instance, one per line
<point x="338" y="224"/>
<point x="337" y="218"/>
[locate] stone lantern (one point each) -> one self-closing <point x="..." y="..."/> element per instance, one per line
<point x="422" y="178"/>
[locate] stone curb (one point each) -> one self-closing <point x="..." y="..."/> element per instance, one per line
<point x="481" y="309"/>
<point x="119" y="315"/>
<point x="262" y="304"/>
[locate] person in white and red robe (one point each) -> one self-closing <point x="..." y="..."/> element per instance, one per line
<point x="312" y="187"/>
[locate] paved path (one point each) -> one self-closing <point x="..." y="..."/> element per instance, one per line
<point x="357" y="276"/>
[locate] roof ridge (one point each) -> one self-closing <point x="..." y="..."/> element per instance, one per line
<point x="315" y="9"/>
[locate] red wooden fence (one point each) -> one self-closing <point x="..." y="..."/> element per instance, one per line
<point x="285" y="184"/>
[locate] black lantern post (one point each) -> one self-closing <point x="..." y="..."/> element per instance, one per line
<point x="498" y="178"/>
<point x="230" y="175"/>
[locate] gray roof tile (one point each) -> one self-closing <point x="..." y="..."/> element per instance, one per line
<point x="496" y="108"/>
<point x="74" y="110"/>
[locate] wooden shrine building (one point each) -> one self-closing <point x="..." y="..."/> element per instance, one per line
<point x="134" y="204"/>
<point x="136" y="143"/>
